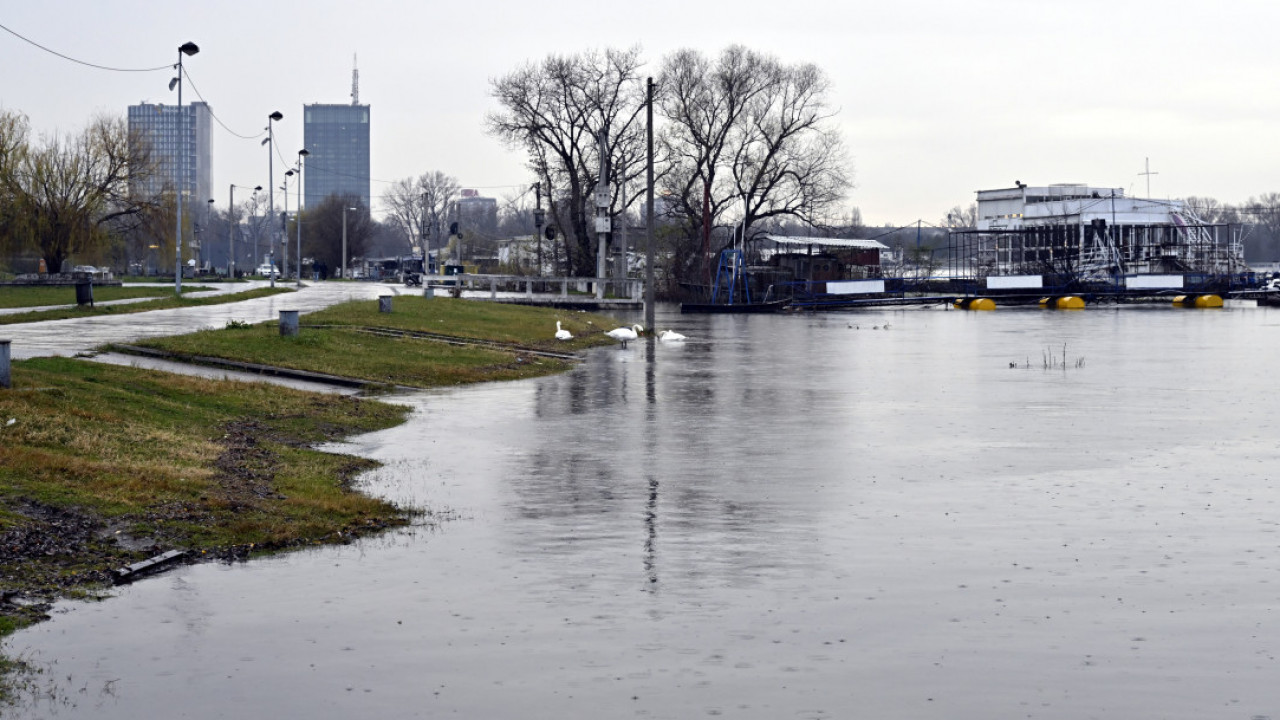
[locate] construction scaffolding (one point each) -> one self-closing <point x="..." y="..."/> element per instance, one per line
<point x="1076" y="237"/>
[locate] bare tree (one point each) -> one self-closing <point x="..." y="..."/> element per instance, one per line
<point x="555" y="111"/>
<point x="323" y="226"/>
<point x="749" y="140"/>
<point x="959" y="218"/>
<point x="421" y="207"/>
<point x="65" y="195"/>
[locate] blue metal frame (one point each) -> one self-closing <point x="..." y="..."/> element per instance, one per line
<point x="731" y="267"/>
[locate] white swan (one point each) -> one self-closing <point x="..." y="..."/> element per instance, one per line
<point x="623" y="334"/>
<point x="671" y="335"/>
<point x="562" y="334"/>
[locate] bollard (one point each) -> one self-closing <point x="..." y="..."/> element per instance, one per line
<point x="384" y="303"/>
<point x="564" y="288"/>
<point x="493" y="289"/>
<point x="428" y="292"/>
<point x="289" y="323"/>
<point x="528" y="288"/>
<point x="5" y="380"/>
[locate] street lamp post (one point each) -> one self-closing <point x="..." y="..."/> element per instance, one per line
<point x="231" y="233"/>
<point x="188" y="48"/>
<point x="344" y="240"/>
<point x="284" y="218"/>
<point x="301" y="154"/>
<point x="271" y="184"/>
<point x="208" y="226"/>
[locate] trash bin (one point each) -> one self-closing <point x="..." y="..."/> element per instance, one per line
<point x="84" y="293"/>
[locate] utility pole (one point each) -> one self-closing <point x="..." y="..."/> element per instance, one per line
<point x="602" y="213"/>
<point x="649" y="251"/>
<point x="538" y="217"/>
<point x="424" y="240"/>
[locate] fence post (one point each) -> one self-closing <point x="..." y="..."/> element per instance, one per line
<point x="493" y="288"/>
<point x="289" y="323"/>
<point x="528" y="288"/>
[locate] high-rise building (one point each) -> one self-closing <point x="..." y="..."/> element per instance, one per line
<point x="337" y="140"/>
<point x="181" y="143"/>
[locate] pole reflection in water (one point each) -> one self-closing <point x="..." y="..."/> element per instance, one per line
<point x="782" y="517"/>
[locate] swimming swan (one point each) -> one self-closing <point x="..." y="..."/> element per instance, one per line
<point x="623" y="334"/>
<point x="562" y="334"/>
<point x="671" y="335"/>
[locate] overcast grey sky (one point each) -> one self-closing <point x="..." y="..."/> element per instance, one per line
<point x="936" y="99"/>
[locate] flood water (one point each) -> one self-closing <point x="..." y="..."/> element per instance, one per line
<point x="795" y="516"/>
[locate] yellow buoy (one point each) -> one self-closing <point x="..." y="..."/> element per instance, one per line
<point x="982" y="304"/>
<point x="1198" y="301"/>
<point x="1070" y="302"/>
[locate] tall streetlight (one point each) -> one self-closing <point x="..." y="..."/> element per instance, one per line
<point x="208" y="225"/>
<point x="301" y="154"/>
<point x="271" y="183"/>
<point x="344" y="240"/>
<point x="188" y="48"/>
<point x="231" y="232"/>
<point x="284" y="218"/>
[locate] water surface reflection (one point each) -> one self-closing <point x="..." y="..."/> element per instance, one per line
<point x="793" y="516"/>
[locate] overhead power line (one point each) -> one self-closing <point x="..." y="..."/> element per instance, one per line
<point x="82" y="62"/>
<point x="217" y="119"/>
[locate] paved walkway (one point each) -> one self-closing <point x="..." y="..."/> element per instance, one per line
<point x="78" y="335"/>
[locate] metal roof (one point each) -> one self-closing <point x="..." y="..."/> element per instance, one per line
<point x="830" y="242"/>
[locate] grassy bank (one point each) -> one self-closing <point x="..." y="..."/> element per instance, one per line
<point x="336" y="342"/>
<point x="165" y="301"/>
<point x="104" y="465"/>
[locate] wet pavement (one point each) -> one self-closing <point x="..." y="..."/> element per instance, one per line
<point x="80" y="335"/>
<point x="888" y="514"/>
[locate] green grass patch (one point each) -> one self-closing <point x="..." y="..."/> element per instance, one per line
<point x="528" y="326"/>
<point x="165" y="301"/>
<point x="104" y="465"/>
<point x="330" y="342"/>
<point x="350" y="353"/>
<point x="18" y="296"/>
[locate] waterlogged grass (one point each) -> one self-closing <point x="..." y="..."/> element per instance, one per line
<point x="165" y="301"/>
<point x="102" y="465"/>
<point x="533" y="327"/>
<point x="329" y="342"/>
<point x="18" y="296"/>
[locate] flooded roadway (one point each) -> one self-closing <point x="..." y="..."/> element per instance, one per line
<point x="78" y="335"/>
<point x="805" y="516"/>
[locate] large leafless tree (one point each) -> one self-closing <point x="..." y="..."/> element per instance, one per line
<point x="749" y="139"/>
<point x="555" y="112"/>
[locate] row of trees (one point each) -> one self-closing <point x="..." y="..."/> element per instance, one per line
<point x="743" y="139"/>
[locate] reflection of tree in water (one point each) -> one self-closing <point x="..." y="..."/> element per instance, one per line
<point x="678" y="477"/>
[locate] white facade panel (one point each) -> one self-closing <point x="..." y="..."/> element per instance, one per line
<point x="1153" y="282"/>
<point x="1015" y="282"/>
<point x="855" y="287"/>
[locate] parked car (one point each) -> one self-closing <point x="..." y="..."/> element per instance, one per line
<point x="268" y="270"/>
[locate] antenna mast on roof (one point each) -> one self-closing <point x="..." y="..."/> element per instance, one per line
<point x="355" y="81"/>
